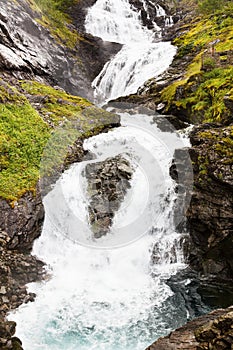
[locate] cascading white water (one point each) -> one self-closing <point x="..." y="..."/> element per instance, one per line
<point x="107" y="298"/>
<point x="99" y="297"/>
<point x="140" y="58"/>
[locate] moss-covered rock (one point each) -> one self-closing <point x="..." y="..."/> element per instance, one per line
<point x="210" y="212"/>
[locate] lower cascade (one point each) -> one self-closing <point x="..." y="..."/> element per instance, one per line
<point x="111" y="292"/>
<point x="106" y="293"/>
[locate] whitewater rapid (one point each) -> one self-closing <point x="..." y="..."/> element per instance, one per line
<point x="106" y="294"/>
<point x="140" y="58"/>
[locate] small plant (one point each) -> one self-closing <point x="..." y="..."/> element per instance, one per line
<point x="208" y="63"/>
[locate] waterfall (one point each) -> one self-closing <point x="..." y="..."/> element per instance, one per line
<point x="106" y="293"/>
<point x="160" y="11"/>
<point x="140" y="59"/>
<point x="99" y="297"/>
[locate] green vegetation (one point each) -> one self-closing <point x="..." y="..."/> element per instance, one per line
<point x="25" y="132"/>
<point x="222" y="143"/>
<point x="57" y="107"/>
<point x="23" y="135"/>
<point x="210" y="75"/>
<point x="53" y="15"/>
<point x="210" y="6"/>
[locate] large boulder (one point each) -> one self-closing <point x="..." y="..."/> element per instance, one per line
<point x="108" y="182"/>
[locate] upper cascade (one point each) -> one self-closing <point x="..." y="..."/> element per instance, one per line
<point x="116" y="21"/>
<point x="140" y="58"/>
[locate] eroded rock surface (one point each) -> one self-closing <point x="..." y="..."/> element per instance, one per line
<point x="189" y="336"/>
<point x="216" y="334"/>
<point x="108" y="182"/>
<point x="16" y="270"/>
<point x="22" y="220"/>
<point x="210" y="215"/>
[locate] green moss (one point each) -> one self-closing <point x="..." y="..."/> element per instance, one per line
<point x="208" y="78"/>
<point x="52" y="14"/>
<point x="205" y="29"/>
<point x="168" y="94"/>
<point x="57" y="106"/>
<point x="24" y="134"/>
<point x="222" y="143"/>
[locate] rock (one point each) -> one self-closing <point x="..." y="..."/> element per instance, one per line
<point x="3" y="290"/>
<point x="210" y="216"/>
<point x="28" y="48"/>
<point x="216" y="334"/>
<point x="202" y="327"/>
<point x="23" y="222"/>
<point x="108" y="182"/>
<point x="206" y="333"/>
<point x="150" y="13"/>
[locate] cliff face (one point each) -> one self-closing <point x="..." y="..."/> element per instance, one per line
<point x="210" y="215"/>
<point x="33" y="44"/>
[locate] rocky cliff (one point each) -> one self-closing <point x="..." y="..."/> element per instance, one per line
<point x="44" y="41"/>
<point x="210" y="215"/>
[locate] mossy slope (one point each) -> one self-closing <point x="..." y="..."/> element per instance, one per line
<point x="26" y="125"/>
<point x="199" y="95"/>
<point x="53" y="15"/>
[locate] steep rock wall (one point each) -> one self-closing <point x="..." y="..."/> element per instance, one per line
<point x="210" y="215"/>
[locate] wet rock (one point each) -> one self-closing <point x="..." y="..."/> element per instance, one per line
<point x="216" y="334"/>
<point x="188" y="336"/>
<point x="150" y="13"/>
<point x="23" y="221"/>
<point x="210" y="216"/>
<point x="16" y="270"/>
<point x="108" y="182"/>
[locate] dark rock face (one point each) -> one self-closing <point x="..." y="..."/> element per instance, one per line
<point x="216" y="334"/>
<point x="23" y="222"/>
<point x="108" y="182"/>
<point x="184" y="337"/>
<point x="210" y="215"/>
<point x="16" y="270"/>
<point x="7" y="341"/>
<point x="28" y="49"/>
<point x="151" y="14"/>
